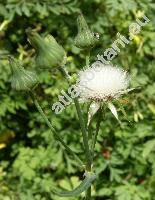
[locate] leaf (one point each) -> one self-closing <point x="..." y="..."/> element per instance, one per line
<point x="3" y="10"/>
<point x="4" y="24"/>
<point x="115" y="174"/>
<point x="18" y="10"/>
<point x="94" y="107"/>
<point x="25" y="9"/>
<point x="85" y="184"/>
<point x="151" y="108"/>
<point x="113" y="110"/>
<point x="130" y="90"/>
<point x="149" y="146"/>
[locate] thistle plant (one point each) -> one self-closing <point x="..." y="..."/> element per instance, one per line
<point x="97" y="85"/>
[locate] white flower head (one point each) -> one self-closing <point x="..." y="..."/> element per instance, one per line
<point x="102" y="82"/>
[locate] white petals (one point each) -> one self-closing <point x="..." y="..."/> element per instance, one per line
<point x="113" y="110"/>
<point x="102" y="82"/>
<point x="94" y="107"/>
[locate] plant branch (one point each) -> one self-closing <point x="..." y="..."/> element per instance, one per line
<point x="57" y="136"/>
<point x="88" y="192"/>
<point x="97" y="131"/>
<point x="82" y="125"/>
<point x="84" y="134"/>
<point x="83" y="130"/>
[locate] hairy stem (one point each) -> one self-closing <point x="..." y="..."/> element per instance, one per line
<point x="57" y="136"/>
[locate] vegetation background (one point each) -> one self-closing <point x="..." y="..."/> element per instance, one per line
<point x="31" y="161"/>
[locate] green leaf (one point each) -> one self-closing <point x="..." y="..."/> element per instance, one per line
<point x="3" y="11"/>
<point x="149" y="146"/>
<point x="25" y="9"/>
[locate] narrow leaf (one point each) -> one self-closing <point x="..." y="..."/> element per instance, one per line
<point x="129" y="90"/>
<point x="113" y="110"/>
<point x="85" y="184"/>
<point x="92" y="110"/>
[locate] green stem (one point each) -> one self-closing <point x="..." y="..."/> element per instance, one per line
<point x="84" y="134"/>
<point x="83" y="130"/>
<point x="88" y="194"/>
<point x="57" y="136"/>
<point x="65" y="72"/>
<point x="90" y="132"/>
<point x="87" y="58"/>
<point x="96" y="132"/>
<point x="82" y="125"/>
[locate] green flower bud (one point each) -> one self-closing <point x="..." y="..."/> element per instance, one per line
<point x="85" y="39"/>
<point x="22" y="80"/>
<point x="49" y="52"/>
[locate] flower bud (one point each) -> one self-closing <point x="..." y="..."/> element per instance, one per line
<point x="22" y="80"/>
<point x="49" y="52"/>
<point x="85" y="39"/>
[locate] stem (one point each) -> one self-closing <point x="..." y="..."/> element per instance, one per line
<point x="65" y="72"/>
<point x="88" y="192"/>
<point x="82" y="125"/>
<point x="96" y="132"/>
<point x="87" y="58"/>
<point x="84" y="134"/>
<point x="83" y="130"/>
<point x="90" y="133"/>
<point x="57" y="136"/>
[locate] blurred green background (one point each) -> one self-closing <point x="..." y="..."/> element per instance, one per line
<point x="31" y="161"/>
